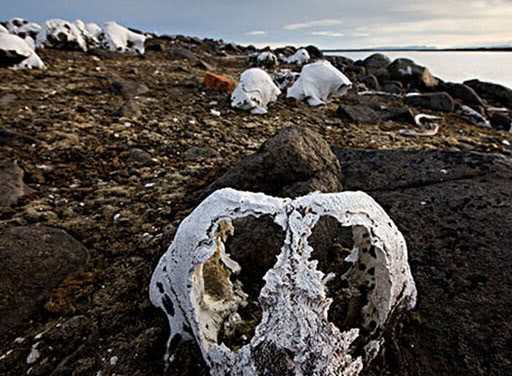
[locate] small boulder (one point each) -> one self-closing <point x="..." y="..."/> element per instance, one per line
<point x="411" y="74"/>
<point x="394" y="87"/>
<point x="34" y="260"/>
<point x="501" y="121"/>
<point x="399" y="114"/>
<point x="370" y="81"/>
<point x="376" y="62"/>
<point x="440" y="101"/>
<point x="292" y="163"/>
<point x="314" y="52"/>
<point x="358" y="114"/>
<point x="466" y="94"/>
<point x="491" y="91"/>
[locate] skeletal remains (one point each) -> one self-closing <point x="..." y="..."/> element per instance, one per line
<point x="195" y="285"/>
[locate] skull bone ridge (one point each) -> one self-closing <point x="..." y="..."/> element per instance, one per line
<point x="193" y="284"/>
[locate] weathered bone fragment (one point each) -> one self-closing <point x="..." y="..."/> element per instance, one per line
<point x="194" y="285"/>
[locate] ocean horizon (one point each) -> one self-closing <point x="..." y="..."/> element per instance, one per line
<point x="452" y="66"/>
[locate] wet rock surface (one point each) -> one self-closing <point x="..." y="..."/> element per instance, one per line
<point x="120" y="186"/>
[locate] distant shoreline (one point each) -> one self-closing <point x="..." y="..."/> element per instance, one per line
<point x="419" y="50"/>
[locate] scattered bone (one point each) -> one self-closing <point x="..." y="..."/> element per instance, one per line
<point x="426" y="122"/>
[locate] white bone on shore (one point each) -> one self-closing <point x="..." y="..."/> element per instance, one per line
<point x="119" y="38"/>
<point x="255" y="91"/>
<point x="319" y="81"/>
<point x="60" y="31"/>
<point x="426" y="122"/>
<point x="11" y="43"/>
<point x="299" y="58"/>
<point x="294" y="331"/>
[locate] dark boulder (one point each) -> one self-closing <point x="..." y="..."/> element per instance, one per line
<point x="357" y="114"/>
<point x="314" y="52"/>
<point x="501" y="121"/>
<point x="394" y="87"/>
<point x="454" y="210"/>
<point x="370" y="81"/>
<point x="292" y="163"/>
<point x="411" y="74"/>
<point x="431" y="101"/>
<point x="376" y="62"/>
<point x="181" y="54"/>
<point x="398" y="114"/>
<point x="34" y="260"/>
<point x="464" y="93"/>
<point x="491" y="91"/>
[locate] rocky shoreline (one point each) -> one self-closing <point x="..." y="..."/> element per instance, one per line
<point x="115" y="150"/>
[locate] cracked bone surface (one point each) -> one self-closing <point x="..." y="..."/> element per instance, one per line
<point x="195" y="284"/>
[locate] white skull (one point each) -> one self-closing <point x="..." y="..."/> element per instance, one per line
<point x="294" y="336"/>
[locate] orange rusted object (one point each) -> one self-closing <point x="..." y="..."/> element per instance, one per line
<point x="218" y="83"/>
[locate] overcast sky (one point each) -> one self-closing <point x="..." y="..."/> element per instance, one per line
<point x="325" y="23"/>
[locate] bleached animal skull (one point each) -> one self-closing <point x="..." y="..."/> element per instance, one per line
<point x="319" y="81"/>
<point x="300" y="57"/>
<point x="255" y="91"/>
<point x="118" y="38"/>
<point x="294" y="336"/>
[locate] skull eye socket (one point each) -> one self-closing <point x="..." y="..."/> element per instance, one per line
<point x="346" y="251"/>
<point x="232" y="278"/>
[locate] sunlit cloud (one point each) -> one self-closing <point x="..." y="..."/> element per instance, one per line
<point x="328" y="33"/>
<point x="307" y="25"/>
<point x="256" y="32"/>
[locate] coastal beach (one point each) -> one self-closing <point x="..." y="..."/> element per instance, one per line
<point x="104" y="154"/>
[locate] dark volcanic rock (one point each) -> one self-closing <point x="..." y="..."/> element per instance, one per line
<point x="11" y="186"/>
<point x="292" y="163"/>
<point x="463" y="92"/>
<point x="442" y="202"/>
<point x="376" y="62"/>
<point x="400" y="114"/>
<point x="494" y="92"/>
<point x="394" y="87"/>
<point x="370" y="81"/>
<point x="431" y="101"/>
<point x="11" y="138"/>
<point x="105" y="54"/>
<point x="314" y="52"/>
<point x="358" y="114"/>
<point x="34" y="260"/>
<point x="501" y="121"/>
<point x="411" y="74"/>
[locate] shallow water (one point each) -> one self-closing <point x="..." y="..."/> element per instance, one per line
<point x="456" y="66"/>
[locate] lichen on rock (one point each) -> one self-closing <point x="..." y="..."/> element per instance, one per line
<point x="194" y="285"/>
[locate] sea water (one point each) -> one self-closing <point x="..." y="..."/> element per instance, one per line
<point x="455" y="66"/>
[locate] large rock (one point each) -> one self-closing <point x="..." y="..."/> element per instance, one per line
<point x="34" y="260"/>
<point x="411" y="74"/>
<point x="357" y="114"/>
<point x="292" y="163"/>
<point x="12" y="186"/>
<point x="464" y="93"/>
<point x="454" y="210"/>
<point x="493" y="92"/>
<point x="376" y="62"/>
<point x="431" y="101"/>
